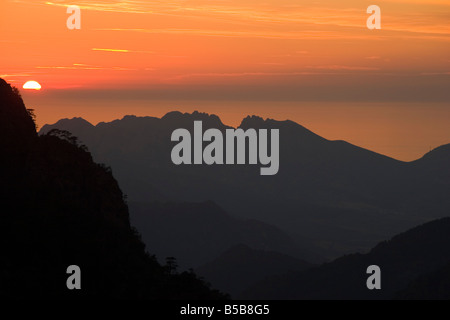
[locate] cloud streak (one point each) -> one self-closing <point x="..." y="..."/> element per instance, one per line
<point x="282" y="13"/>
<point x="338" y="67"/>
<point x="110" y="50"/>
<point x="80" y="66"/>
<point x="305" y="34"/>
<point x="272" y="74"/>
<point x="121" y="50"/>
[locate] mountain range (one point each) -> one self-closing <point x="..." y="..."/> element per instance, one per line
<point x="330" y="196"/>
<point x="249" y="235"/>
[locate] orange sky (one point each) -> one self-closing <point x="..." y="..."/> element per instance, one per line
<point x="284" y="56"/>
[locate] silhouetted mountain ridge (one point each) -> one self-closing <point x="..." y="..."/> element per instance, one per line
<point x="182" y="119"/>
<point x="241" y="266"/>
<point x="402" y="259"/>
<point x="430" y="286"/>
<point x="196" y="233"/>
<point x="439" y="153"/>
<point x="59" y="208"/>
<point x="343" y="197"/>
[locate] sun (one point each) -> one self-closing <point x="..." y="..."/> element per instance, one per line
<point x="32" y="85"/>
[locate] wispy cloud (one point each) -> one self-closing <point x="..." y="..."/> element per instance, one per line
<point x="272" y="63"/>
<point x="250" y="74"/>
<point x="121" y="50"/>
<point x="339" y="67"/>
<point x="304" y="34"/>
<point x="80" y="66"/>
<point x="282" y="13"/>
<point x="110" y="50"/>
<point x="108" y="6"/>
<point x="15" y="75"/>
<point x="444" y="73"/>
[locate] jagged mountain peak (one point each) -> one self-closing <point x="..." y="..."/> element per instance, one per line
<point x="76" y="120"/>
<point x="182" y="119"/>
<point x="439" y="153"/>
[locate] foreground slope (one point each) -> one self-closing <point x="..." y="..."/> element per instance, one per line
<point x="240" y="267"/>
<point x="59" y="208"/>
<point x="410" y="263"/>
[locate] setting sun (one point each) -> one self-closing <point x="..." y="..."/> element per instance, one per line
<point x="32" y="85"/>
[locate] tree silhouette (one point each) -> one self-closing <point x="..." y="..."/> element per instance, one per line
<point x="67" y="136"/>
<point x="32" y="114"/>
<point x="171" y="265"/>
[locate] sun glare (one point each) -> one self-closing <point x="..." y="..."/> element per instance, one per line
<point x="32" y="85"/>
